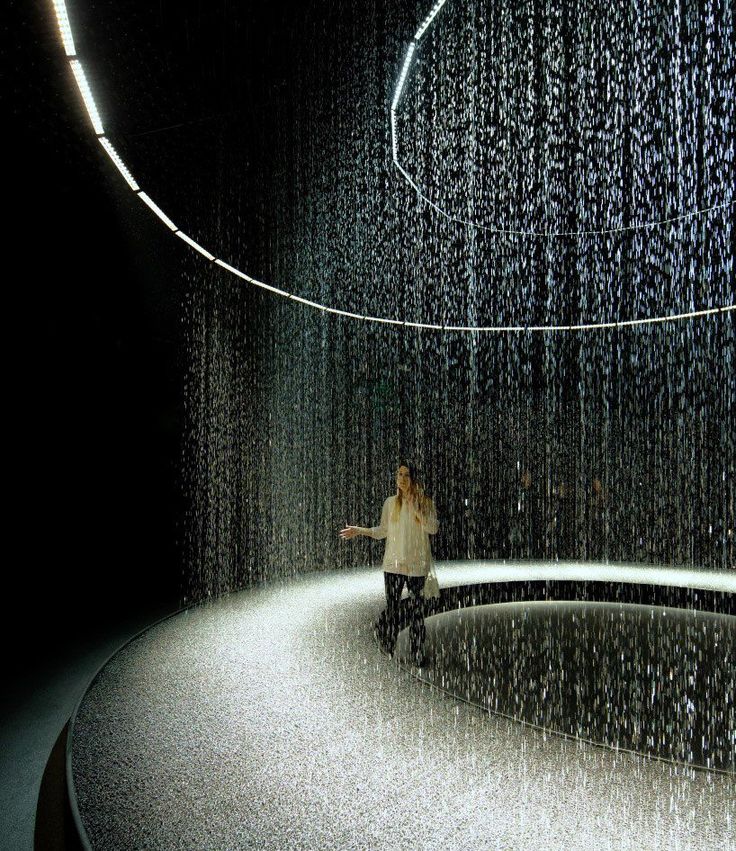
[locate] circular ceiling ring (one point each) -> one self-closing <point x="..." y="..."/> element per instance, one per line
<point x="67" y="40"/>
<point x="398" y="93"/>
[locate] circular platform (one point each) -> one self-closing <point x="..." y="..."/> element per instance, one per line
<point x="269" y="719"/>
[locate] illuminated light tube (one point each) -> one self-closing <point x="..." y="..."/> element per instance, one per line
<point x="235" y="271"/>
<point x="86" y="92"/>
<point x="394" y="146"/>
<point x="690" y="315"/>
<point x="307" y="302"/>
<point x="314" y="304"/>
<point x="325" y="308"/>
<point x="426" y="325"/>
<point x="344" y="313"/>
<point x="158" y="211"/>
<point x="402" y="77"/>
<point x="253" y="281"/>
<point x="195" y="245"/>
<point x="66" y="36"/>
<point x="384" y="321"/>
<point x="65" y="30"/>
<point x="119" y="164"/>
<point x="428" y="20"/>
<point x="469" y="329"/>
<point x="589" y="326"/>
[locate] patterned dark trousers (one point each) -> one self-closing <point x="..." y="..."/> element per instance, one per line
<point x="399" y="613"/>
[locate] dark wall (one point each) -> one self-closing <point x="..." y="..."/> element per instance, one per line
<point x="92" y="325"/>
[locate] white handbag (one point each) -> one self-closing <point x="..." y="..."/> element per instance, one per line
<point x="431" y="586"/>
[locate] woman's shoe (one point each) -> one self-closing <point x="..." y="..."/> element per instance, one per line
<point x="382" y="646"/>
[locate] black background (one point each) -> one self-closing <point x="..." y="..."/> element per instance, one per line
<point x="92" y="321"/>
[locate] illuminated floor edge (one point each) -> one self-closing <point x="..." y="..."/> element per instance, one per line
<point x="467" y="573"/>
<point x="269" y="719"/>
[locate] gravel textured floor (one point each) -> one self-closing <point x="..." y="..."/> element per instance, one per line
<point x="270" y="720"/>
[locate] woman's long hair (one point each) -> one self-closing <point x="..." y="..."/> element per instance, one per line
<point x="414" y="487"/>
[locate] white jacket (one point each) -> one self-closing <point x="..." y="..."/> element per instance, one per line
<point x="407" y="539"/>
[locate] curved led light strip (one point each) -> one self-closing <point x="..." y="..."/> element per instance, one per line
<point x="415" y="186"/>
<point x="67" y="39"/>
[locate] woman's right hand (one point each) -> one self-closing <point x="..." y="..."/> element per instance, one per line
<point x="349" y="532"/>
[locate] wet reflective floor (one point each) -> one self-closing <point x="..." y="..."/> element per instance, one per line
<point x="658" y="681"/>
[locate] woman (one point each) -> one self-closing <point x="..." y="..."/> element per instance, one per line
<point x="407" y="521"/>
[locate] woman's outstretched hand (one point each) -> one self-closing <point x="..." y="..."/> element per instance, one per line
<point x="349" y="532"/>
